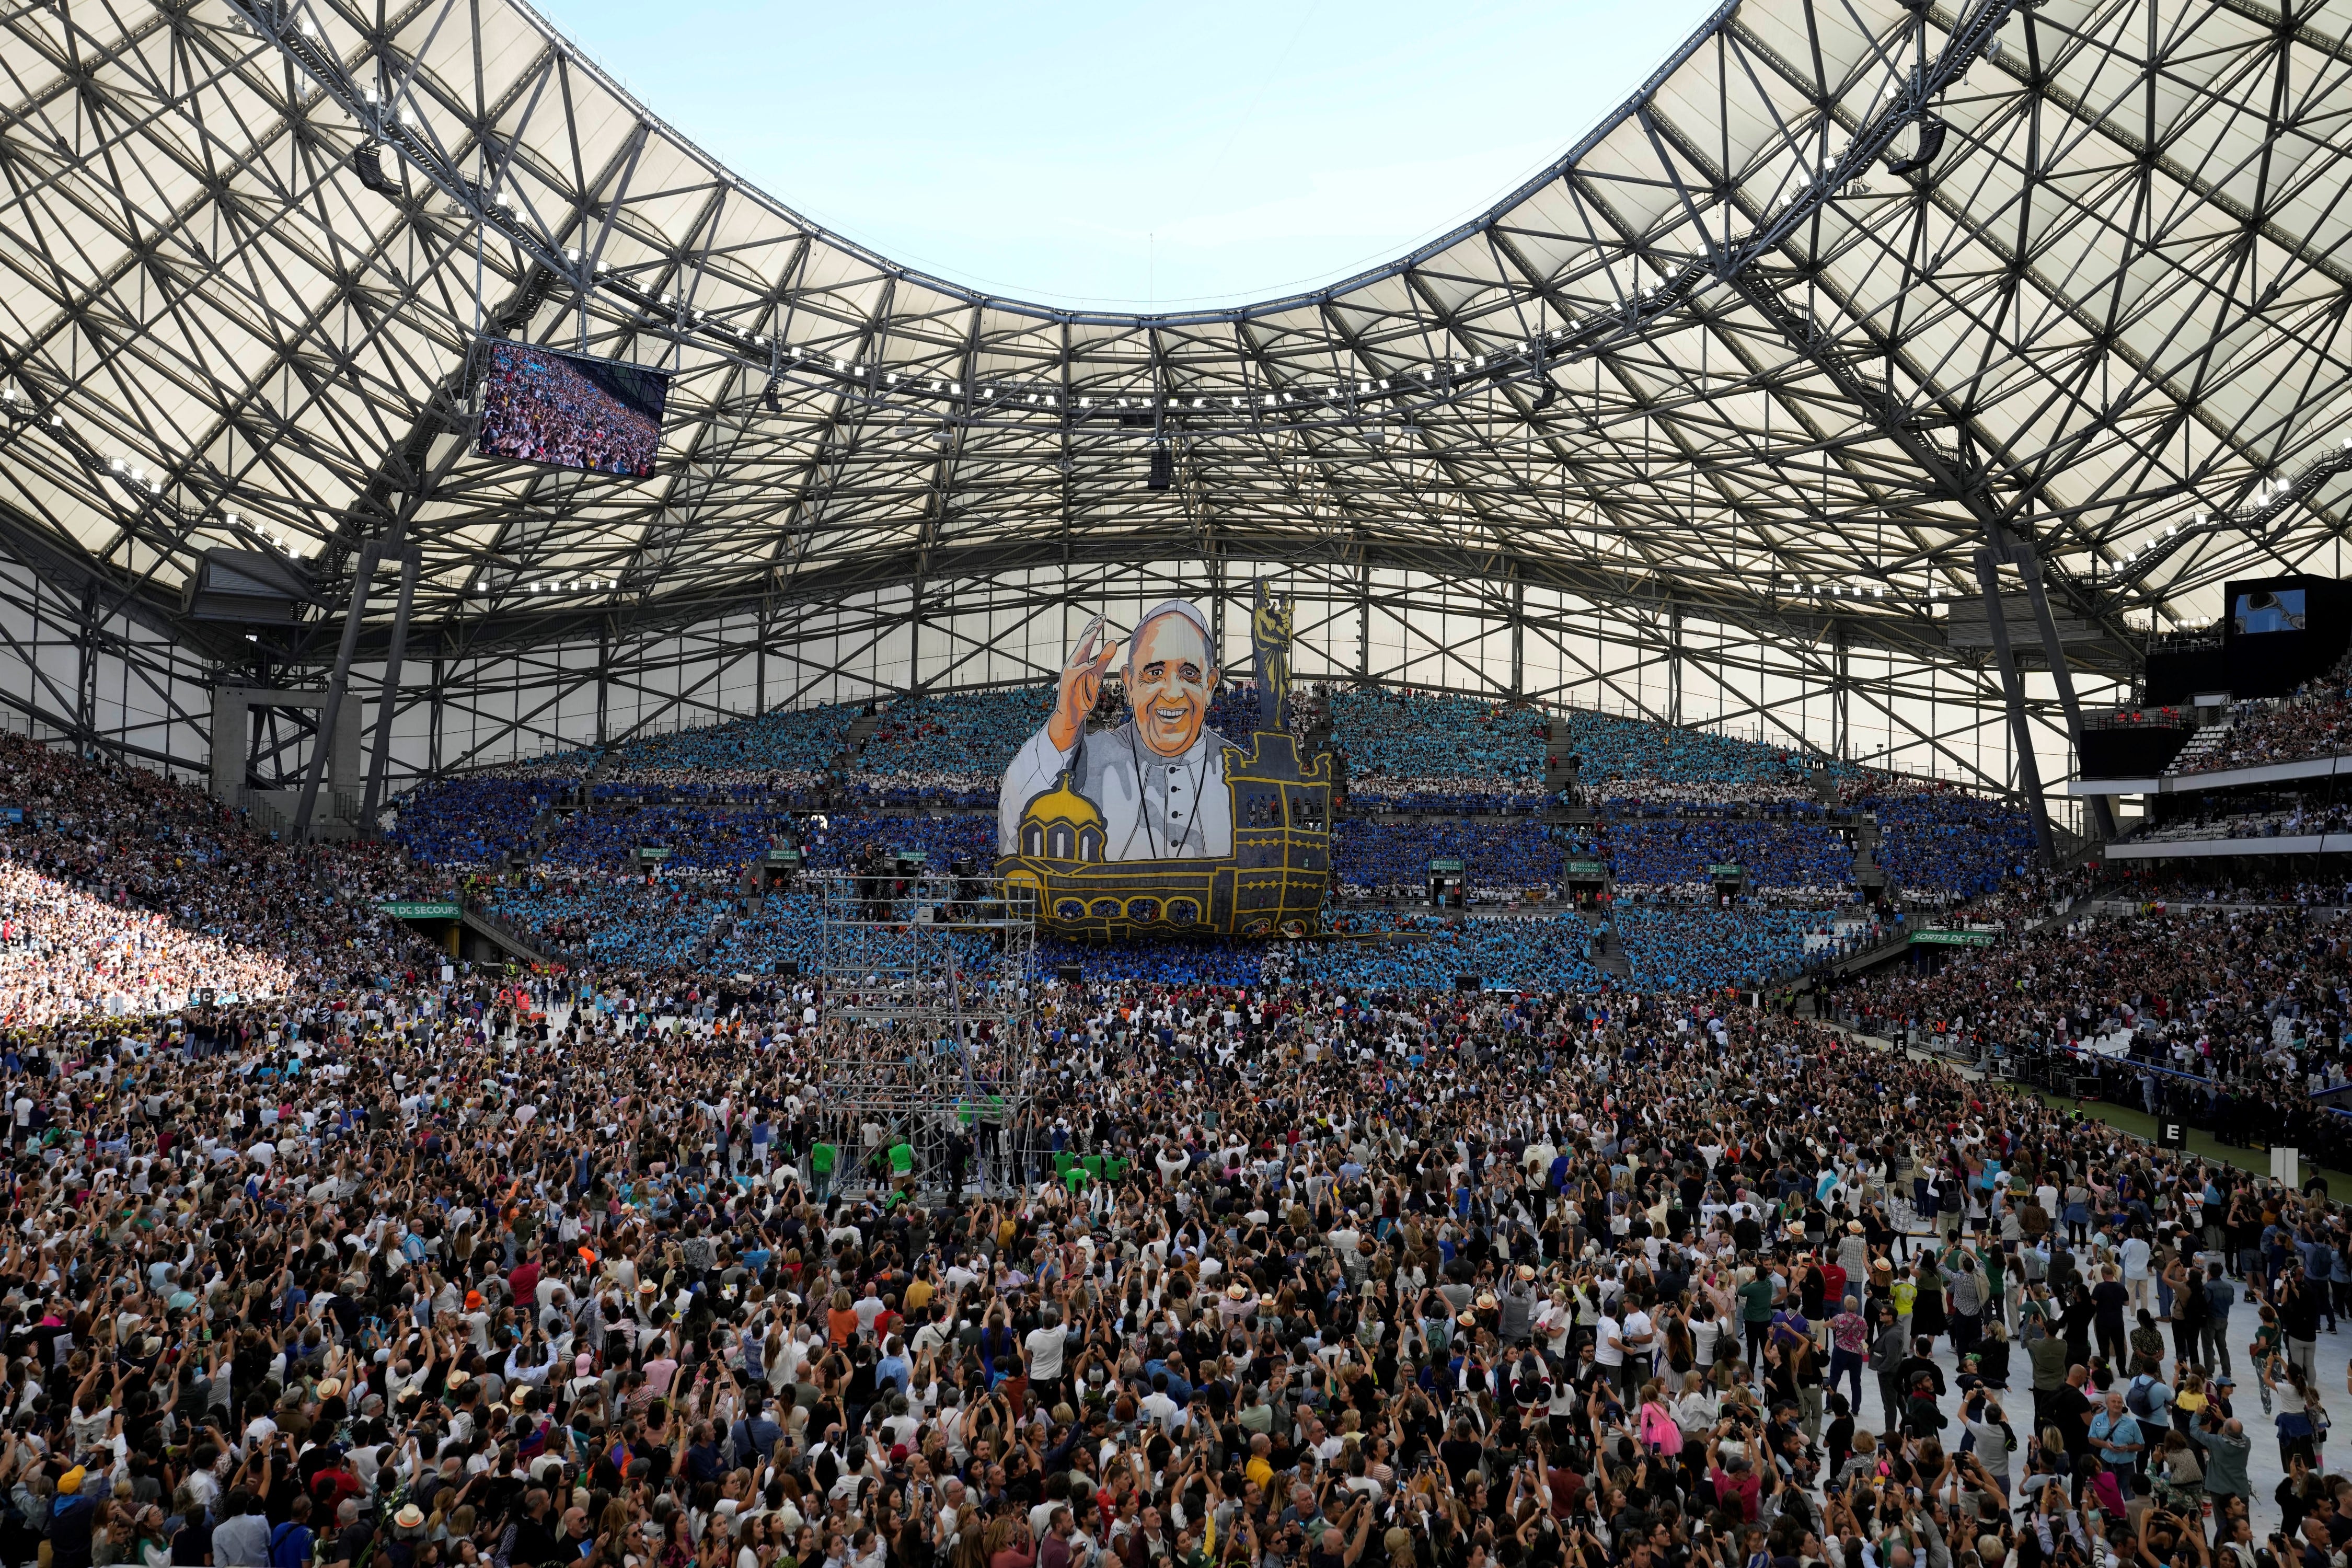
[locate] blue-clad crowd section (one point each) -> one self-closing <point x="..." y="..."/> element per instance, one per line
<point x="1431" y="777"/>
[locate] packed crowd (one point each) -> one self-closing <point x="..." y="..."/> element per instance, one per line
<point x="641" y="922"/>
<point x="64" y="952"/>
<point x="1499" y="859"/>
<point x="148" y="845"/>
<point x="2316" y="721"/>
<point x="697" y="838"/>
<point x="948" y="750"/>
<point x="1434" y="751"/>
<point x="1705" y="946"/>
<point x="1800" y="855"/>
<point x="1950" y="843"/>
<point x="1636" y="760"/>
<point x="472" y="821"/>
<point x="1272" y="1277"/>
<point x="785" y="750"/>
<point x="2251" y="1003"/>
<point x="1268" y="1267"/>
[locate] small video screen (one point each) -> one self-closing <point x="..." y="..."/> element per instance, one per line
<point x="2270" y="610"/>
<point x="569" y="411"/>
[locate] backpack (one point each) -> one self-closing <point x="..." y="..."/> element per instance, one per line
<point x="2136" y="1397"/>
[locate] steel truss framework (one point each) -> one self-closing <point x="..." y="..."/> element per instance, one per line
<point x="1717" y="393"/>
<point x="919" y="1041"/>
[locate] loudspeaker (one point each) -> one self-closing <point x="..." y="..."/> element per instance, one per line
<point x="1469" y="981"/>
<point x="1067" y="972"/>
<point x="1163" y="469"/>
<point x="789" y="968"/>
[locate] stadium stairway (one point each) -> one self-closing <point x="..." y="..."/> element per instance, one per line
<point x="1867" y="872"/>
<point x="1608" y="953"/>
<point x="719" y="933"/>
<point x="1561" y="778"/>
<point x="853" y="743"/>
<point x="496" y="933"/>
<point x="2202" y="744"/>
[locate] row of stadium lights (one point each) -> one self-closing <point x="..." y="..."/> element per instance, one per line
<point x="2262" y="496"/>
<point x="135" y="477"/>
<point x="803" y="357"/>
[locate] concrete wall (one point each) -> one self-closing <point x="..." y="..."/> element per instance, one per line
<point x="232" y="706"/>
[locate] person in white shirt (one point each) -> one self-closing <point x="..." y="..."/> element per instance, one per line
<point x="1162" y="1410"/>
<point x="1637" y="1335"/>
<point x="1041" y="1353"/>
<point x="1609" y="1347"/>
<point x="2134" y="1253"/>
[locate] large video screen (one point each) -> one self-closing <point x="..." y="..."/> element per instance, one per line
<point x="2270" y="610"/>
<point x="569" y="411"/>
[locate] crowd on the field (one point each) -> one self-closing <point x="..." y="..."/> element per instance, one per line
<point x="1267" y="1275"/>
<point x="1268" y="1267"/>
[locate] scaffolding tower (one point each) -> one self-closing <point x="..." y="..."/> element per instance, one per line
<point x="928" y="984"/>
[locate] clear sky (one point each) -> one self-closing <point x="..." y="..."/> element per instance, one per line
<point x="1115" y="154"/>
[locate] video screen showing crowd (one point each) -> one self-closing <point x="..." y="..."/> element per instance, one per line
<point x="382" y="1256"/>
<point x="570" y="411"/>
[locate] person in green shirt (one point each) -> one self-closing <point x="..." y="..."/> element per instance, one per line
<point x="822" y="1156"/>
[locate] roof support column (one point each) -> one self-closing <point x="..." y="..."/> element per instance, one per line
<point x="371" y="553"/>
<point x="2102" y="817"/>
<point x="336" y="684"/>
<point x="2012" y="686"/>
<point x="604" y="683"/>
<point x="412" y="561"/>
<point x="1364" y="621"/>
<point x="1519" y="637"/>
<point x="85" y="715"/>
<point x="1675" y="666"/>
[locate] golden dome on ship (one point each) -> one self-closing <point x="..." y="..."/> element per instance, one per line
<point x="1062" y="825"/>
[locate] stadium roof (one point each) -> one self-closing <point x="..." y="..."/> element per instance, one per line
<point x="1719" y="355"/>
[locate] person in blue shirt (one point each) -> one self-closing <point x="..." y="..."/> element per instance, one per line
<point x="73" y="1513"/>
<point x="756" y="1434"/>
<point x="2115" y="1435"/>
<point x="290" y="1543"/>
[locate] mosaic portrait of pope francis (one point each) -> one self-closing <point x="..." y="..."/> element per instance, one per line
<point x="1157" y="782"/>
